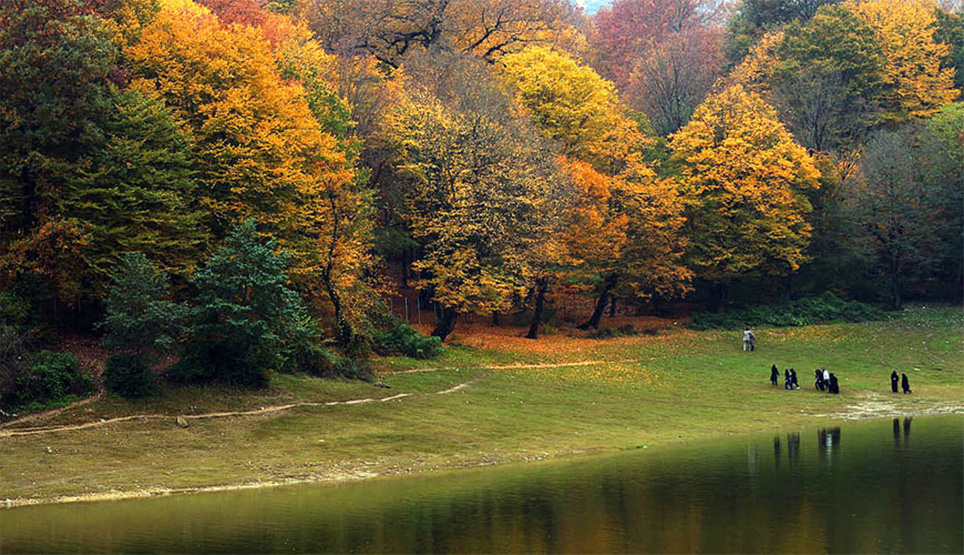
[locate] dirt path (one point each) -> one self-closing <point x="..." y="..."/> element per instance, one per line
<point x="6" y="431"/>
<point x="188" y="417"/>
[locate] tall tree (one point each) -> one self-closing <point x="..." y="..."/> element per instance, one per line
<point x="134" y="192"/>
<point x="941" y="143"/>
<point x="388" y="29"/>
<point x="618" y="192"/>
<point x="829" y="73"/>
<point x="55" y="67"/>
<point x="665" y="55"/>
<point x="259" y="116"/>
<point x="887" y="200"/>
<point x="755" y="18"/>
<point x="745" y="179"/>
<point x="916" y="85"/>
<point x="477" y="179"/>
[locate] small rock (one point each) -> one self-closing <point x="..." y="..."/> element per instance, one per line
<point x="382" y="384"/>
<point x="181" y="421"/>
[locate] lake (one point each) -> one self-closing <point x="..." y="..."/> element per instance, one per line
<point x="877" y="486"/>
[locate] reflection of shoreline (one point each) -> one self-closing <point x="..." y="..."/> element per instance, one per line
<point x="399" y="471"/>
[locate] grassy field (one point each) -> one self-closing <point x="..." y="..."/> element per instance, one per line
<point x="493" y="397"/>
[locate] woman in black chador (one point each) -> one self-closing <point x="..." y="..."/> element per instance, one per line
<point x="775" y="375"/>
<point x="893" y="380"/>
<point x="904" y="383"/>
<point x="818" y="380"/>
<point x="793" y="379"/>
<point x="787" y="383"/>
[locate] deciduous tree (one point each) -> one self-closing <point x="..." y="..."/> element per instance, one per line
<point x="745" y="179"/>
<point x="478" y="178"/>
<point x="916" y="85"/>
<point x="619" y="199"/>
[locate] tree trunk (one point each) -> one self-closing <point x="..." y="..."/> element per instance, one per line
<point x="542" y="286"/>
<point x="344" y="335"/>
<point x="612" y="305"/>
<point x="600" y="304"/>
<point x="496" y="319"/>
<point x="446" y="323"/>
<point x="720" y="293"/>
<point x="405" y="262"/>
<point x="895" y="281"/>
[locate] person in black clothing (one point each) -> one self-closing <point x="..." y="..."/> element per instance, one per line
<point x="834" y="386"/>
<point x="904" y="384"/>
<point x="775" y="375"/>
<point x="818" y="380"/>
<point x="893" y="380"/>
<point x="787" y="384"/>
<point x="793" y="379"/>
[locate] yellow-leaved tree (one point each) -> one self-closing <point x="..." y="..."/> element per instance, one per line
<point x="478" y="186"/>
<point x="745" y="180"/>
<point x="916" y="85"/>
<point x="627" y="221"/>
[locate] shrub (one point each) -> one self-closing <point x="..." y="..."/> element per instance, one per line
<point x="51" y="377"/>
<point x="394" y="337"/>
<point x="318" y="361"/>
<point x="801" y="312"/>
<point x="128" y="376"/>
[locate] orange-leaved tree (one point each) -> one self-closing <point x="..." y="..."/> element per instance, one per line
<point x="261" y="152"/>
<point x="745" y="180"/>
<point x="622" y="208"/>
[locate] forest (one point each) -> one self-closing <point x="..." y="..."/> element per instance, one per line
<point x="228" y="188"/>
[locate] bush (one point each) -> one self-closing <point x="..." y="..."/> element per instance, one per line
<point x="801" y="312"/>
<point x="128" y="376"/>
<point x="395" y="337"/>
<point x="318" y="361"/>
<point x="51" y="377"/>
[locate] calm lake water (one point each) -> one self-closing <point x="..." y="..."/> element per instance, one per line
<point x="872" y="487"/>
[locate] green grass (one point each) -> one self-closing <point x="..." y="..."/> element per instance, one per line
<point x="657" y="391"/>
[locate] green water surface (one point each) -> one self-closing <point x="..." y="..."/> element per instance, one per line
<point x="882" y="486"/>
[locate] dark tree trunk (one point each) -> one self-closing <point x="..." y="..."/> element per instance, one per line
<point x="405" y="262"/>
<point x="600" y="304"/>
<point x="496" y="319"/>
<point x="612" y="305"/>
<point x="895" y="282"/>
<point x="344" y="335"/>
<point x="542" y="286"/>
<point x="446" y="323"/>
<point x="720" y="293"/>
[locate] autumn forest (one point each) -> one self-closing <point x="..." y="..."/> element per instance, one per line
<point x="246" y="186"/>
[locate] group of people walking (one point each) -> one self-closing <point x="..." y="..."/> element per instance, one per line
<point x="824" y="380"/>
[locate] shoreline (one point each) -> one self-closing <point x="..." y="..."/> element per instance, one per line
<point x="343" y="478"/>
